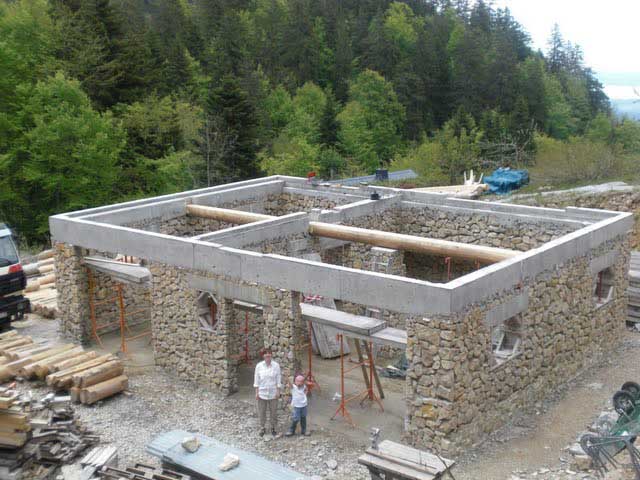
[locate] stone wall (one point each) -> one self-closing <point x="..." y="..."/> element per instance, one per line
<point x="437" y="269"/>
<point x="72" y="287"/>
<point x="277" y="205"/>
<point x="616" y="201"/>
<point x="181" y="344"/>
<point x="458" y="393"/>
<point x="136" y="299"/>
<point x="211" y="356"/>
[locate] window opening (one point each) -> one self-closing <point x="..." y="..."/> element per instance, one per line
<point x="506" y="340"/>
<point x="207" y="311"/>
<point x="603" y="288"/>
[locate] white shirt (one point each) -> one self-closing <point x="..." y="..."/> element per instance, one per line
<point x="298" y="396"/>
<point x="267" y="380"/>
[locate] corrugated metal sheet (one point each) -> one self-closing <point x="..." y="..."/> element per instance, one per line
<point x="206" y="460"/>
<point x="399" y="175"/>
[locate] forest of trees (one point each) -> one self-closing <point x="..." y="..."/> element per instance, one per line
<point x="109" y="100"/>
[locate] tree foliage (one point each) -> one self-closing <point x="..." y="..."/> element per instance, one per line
<point x="184" y="93"/>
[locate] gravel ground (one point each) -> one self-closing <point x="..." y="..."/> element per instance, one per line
<point x="158" y="402"/>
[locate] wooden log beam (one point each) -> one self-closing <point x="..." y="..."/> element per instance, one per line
<point x="397" y="241"/>
<point x="98" y="374"/>
<point x="105" y="389"/>
<point x="226" y="215"/>
<point x="410" y="243"/>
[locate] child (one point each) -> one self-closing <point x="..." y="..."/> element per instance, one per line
<point x="299" y="404"/>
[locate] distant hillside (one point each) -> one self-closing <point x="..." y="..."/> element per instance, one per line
<point x="627" y="107"/>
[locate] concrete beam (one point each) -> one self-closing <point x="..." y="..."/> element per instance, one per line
<point x="164" y="210"/>
<point x="260" y="231"/>
<point x="509" y="309"/>
<point x="244" y="192"/>
<point x="162" y="198"/>
<point x="358" y="209"/>
<point x="252" y="294"/>
<point x="501" y="217"/>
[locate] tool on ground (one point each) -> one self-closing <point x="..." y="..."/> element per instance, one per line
<point x="604" y="447"/>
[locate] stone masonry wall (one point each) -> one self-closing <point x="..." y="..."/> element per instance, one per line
<point x="207" y="356"/>
<point x="137" y="298"/>
<point x="180" y="343"/>
<point x="458" y="394"/>
<point x="73" y="293"/>
<point x="616" y="201"/>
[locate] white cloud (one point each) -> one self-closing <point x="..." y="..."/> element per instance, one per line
<point x="606" y="31"/>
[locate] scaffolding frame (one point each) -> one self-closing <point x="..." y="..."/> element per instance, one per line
<point x="123" y="316"/>
<point x="368" y="393"/>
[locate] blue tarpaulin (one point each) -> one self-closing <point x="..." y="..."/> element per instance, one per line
<point x="504" y="180"/>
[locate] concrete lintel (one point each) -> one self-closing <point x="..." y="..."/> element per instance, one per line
<point x="253" y="294"/>
<point x="503" y="312"/>
<point x="244" y="192"/>
<point x="261" y="231"/>
<point x="164" y="210"/>
<point x="389" y="292"/>
<point x="603" y="261"/>
<point x="162" y="198"/>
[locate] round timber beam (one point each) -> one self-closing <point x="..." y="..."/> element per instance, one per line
<point x="378" y="238"/>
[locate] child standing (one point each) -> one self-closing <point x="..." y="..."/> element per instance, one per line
<point x="299" y="404"/>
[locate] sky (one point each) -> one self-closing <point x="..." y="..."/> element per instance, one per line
<point x="607" y="31"/>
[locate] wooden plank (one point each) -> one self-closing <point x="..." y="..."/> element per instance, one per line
<point x="386" y="466"/>
<point x="419" y="457"/>
<point x="365" y="374"/>
<point x="391" y="336"/>
<point x="342" y="321"/>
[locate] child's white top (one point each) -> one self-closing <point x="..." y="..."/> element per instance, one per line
<point x="298" y="396"/>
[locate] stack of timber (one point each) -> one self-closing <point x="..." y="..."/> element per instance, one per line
<point x="41" y="286"/>
<point x="38" y="435"/>
<point x="140" y="472"/>
<point x="88" y="376"/>
<point x="633" y="291"/>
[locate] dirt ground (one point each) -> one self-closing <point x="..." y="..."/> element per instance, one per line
<point x="533" y="446"/>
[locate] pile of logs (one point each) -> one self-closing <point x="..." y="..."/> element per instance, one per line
<point x="88" y="376"/>
<point x="140" y="472"/>
<point x="41" y="284"/>
<point x="38" y="435"/>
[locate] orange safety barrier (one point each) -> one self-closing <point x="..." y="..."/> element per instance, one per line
<point x="367" y="394"/>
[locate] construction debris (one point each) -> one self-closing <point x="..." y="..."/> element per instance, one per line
<point x="229" y="462"/>
<point x="140" y="472"/>
<point x="38" y="435"/>
<point x="96" y="459"/>
<point x="389" y="459"/>
<point x="89" y="377"/>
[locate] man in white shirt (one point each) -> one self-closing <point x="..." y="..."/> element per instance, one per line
<point x="267" y="381"/>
